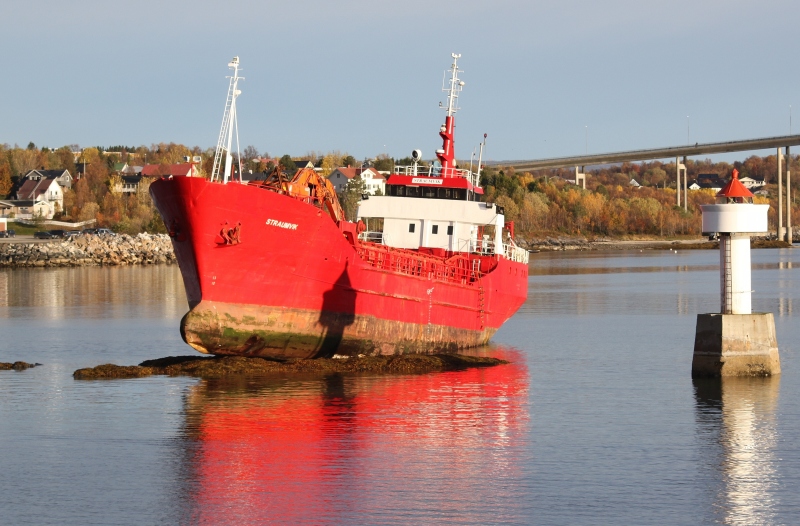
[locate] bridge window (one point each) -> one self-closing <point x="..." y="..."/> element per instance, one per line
<point x="411" y="227"/>
<point x="435" y="229"/>
<point x="450" y="230"/>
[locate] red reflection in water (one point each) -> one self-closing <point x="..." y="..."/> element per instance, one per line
<point x="343" y="447"/>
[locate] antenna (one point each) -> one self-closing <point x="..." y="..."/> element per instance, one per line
<point x="480" y="160"/>
<point x="456" y="85"/>
<point x="229" y="125"/>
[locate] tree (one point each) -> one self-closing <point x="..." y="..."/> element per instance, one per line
<point x="23" y="161"/>
<point x="509" y="206"/>
<point x="383" y="163"/>
<point x="655" y="176"/>
<point x="5" y="173"/>
<point x="89" y="155"/>
<point x="350" y="197"/>
<point x="288" y="164"/>
<point x="250" y="153"/>
<point x="330" y="162"/>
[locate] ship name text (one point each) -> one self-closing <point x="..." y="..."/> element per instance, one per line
<point x="426" y="180"/>
<point x="281" y="224"/>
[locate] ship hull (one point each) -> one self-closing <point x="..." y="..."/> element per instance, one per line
<point x="290" y="284"/>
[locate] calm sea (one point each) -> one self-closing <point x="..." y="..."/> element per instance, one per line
<point x="595" y="421"/>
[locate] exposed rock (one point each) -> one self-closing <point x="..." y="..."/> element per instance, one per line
<point x="210" y="367"/>
<point x="87" y="250"/>
<point x="559" y="243"/>
<point x="17" y="366"/>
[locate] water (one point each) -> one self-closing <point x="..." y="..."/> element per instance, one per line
<point x="596" y="421"/>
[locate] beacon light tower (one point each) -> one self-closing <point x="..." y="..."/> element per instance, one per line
<point x="735" y="342"/>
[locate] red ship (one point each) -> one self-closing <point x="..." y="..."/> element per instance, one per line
<point x="273" y="269"/>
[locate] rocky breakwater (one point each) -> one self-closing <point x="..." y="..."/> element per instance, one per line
<point x="89" y="250"/>
<point x="557" y="243"/>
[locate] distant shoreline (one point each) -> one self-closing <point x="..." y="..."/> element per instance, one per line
<point x="700" y="243"/>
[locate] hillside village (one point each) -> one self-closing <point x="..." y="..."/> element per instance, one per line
<point x="110" y="186"/>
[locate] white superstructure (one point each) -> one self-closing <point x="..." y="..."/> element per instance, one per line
<point x="452" y="225"/>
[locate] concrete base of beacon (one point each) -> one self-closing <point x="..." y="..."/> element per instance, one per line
<point x="735" y="345"/>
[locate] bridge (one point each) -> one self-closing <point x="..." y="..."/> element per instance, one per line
<point x="678" y="152"/>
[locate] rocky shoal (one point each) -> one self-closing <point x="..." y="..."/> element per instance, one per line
<point x="17" y="366"/>
<point x="88" y="250"/>
<point x="217" y="366"/>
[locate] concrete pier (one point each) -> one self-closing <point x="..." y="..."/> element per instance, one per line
<point x="735" y="345"/>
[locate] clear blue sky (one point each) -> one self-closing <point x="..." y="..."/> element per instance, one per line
<point x="364" y="76"/>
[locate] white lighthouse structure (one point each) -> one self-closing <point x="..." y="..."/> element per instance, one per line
<point x="735" y="342"/>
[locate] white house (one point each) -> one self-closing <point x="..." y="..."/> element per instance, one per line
<point x="373" y="180"/>
<point x="62" y="176"/>
<point x="39" y="188"/>
<point x="751" y="183"/>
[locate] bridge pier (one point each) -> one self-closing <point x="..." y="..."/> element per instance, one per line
<point x="681" y="168"/>
<point x="780" y="233"/>
<point x="788" y="196"/>
<point x="580" y="177"/>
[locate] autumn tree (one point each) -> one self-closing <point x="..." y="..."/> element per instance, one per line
<point x="5" y="174"/>
<point x="330" y="162"/>
<point x="23" y="161"/>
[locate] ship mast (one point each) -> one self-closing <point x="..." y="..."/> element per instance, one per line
<point x="229" y="125"/>
<point x="447" y="154"/>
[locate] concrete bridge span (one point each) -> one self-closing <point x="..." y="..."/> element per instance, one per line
<point x="678" y="152"/>
<point x="658" y="153"/>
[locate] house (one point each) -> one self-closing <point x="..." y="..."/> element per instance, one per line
<point x="25" y="209"/>
<point x="129" y="184"/>
<point x="708" y="182"/>
<point x="634" y="183"/>
<point x="131" y="170"/>
<point x="40" y="188"/>
<point x="373" y="180"/>
<point x="750" y="182"/>
<point x="119" y="167"/>
<point x="166" y="170"/>
<point x="304" y="163"/>
<point x="63" y="177"/>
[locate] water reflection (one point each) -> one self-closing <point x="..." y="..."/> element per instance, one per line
<point x="359" y="448"/>
<point x="736" y="419"/>
<point x="101" y="290"/>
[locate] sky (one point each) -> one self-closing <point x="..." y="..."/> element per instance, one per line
<point x="546" y="78"/>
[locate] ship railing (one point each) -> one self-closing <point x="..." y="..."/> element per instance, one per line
<point x="454" y="270"/>
<point x="488" y="247"/>
<point x="515" y="253"/>
<point x="371" y="237"/>
<point x="432" y="171"/>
